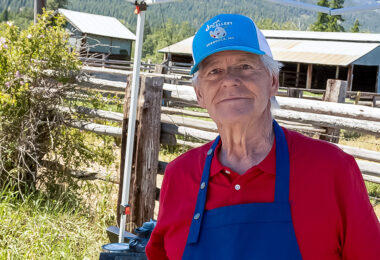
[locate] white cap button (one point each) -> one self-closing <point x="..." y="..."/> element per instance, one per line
<point x="237" y="187"/>
<point x="203" y="185"/>
<point x="227" y="171"/>
<point x="196" y="216"/>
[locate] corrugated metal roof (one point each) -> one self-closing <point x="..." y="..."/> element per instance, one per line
<point x="328" y="36"/>
<point x="97" y="24"/>
<point x="312" y="50"/>
<point x="319" y="52"/>
<point x="182" y="47"/>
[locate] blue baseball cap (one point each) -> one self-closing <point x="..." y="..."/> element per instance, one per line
<point x="227" y="32"/>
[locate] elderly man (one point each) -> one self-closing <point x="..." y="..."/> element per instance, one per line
<point x="258" y="191"/>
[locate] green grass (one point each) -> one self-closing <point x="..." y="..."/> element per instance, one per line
<point x="96" y="103"/>
<point x="39" y="226"/>
<point x="311" y="94"/>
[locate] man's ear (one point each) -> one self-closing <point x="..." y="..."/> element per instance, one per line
<point x="274" y="86"/>
<point x="199" y="94"/>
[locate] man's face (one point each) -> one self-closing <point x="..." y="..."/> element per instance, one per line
<point x="235" y="86"/>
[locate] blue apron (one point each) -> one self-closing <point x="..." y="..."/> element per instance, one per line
<point x="245" y="231"/>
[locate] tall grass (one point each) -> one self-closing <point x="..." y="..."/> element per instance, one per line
<point x="39" y="226"/>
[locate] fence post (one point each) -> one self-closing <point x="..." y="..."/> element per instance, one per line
<point x="145" y="158"/>
<point x="335" y="92"/>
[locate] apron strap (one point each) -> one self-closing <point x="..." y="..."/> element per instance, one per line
<point x="202" y="195"/>
<point x="281" y="193"/>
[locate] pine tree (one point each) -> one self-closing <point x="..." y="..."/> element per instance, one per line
<point x="329" y="23"/>
<point x="355" y="27"/>
<point x="334" y="23"/>
<point x="55" y="4"/>
<point x="322" y="21"/>
<point x="4" y="16"/>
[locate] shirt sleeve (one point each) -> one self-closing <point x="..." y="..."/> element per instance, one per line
<point x="155" y="249"/>
<point x="361" y="228"/>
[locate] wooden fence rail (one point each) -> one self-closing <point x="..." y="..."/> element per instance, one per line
<point x="206" y="131"/>
<point x="196" y="128"/>
<point x="318" y="113"/>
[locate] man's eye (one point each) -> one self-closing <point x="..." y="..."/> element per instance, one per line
<point x="245" y="67"/>
<point x="215" y="71"/>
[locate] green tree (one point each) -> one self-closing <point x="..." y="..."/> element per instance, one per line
<point x="269" y="24"/>
<point x="355" y="27"/>
<point x="4" y="16"/>
<point x="329" y="23"/>
<point x="163" y="36"/>
<point x="334" y="24"/>
<point x="322" y="20"/>
<point x="55" y="4"/>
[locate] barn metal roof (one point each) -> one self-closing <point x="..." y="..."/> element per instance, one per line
<point x="307" y="47"/>
<point x="97" y="24"/>
<point x="182" y="47"/>
<point x="319" y="52"/>
<point x="327" y="36"/>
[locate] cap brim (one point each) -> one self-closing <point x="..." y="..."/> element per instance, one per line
<point x="228" y="48"/>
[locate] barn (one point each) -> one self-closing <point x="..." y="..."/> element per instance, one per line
<point x="310" y="58"/>
<point x="98" y="35"/>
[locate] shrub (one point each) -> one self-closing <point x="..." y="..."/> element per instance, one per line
<point x="37" y="72"/>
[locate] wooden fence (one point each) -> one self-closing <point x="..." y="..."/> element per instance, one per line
<point x="181" y="72"/>
<point x="179" y="124"/>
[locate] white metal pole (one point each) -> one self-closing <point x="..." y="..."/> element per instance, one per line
<point x="132" y="119"/>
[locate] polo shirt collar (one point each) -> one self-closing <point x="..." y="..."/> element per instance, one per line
<point x="268" y="165"/>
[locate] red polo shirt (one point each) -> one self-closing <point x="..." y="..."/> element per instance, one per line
<point x="331" y="212"/>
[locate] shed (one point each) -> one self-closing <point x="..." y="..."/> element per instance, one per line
<point x="98" y="34"/>
<point x="310" y="58"/>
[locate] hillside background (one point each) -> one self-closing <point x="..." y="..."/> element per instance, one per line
<point x="197" y="11"/>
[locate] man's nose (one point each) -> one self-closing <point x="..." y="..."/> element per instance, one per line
<point x="230" y="78"/>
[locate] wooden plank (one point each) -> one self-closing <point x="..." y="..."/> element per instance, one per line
<point x="335" y="92"/>
<point x="298" y="74"/>
<point x="91" y="69"/>
<point x="185" y="93"/>
<point x="337" y="72"/>
<point x="360" y="153"/>
<point x="143" y="179"/>
<point x="79" y="174"/>
<point x="369" y="170"/>
<point x="172" y="129"/>
<point x="95" y="113"/>
<point x="350" y="76"/>
<point x="329" y="108"/>
<point x="309" y="76"/>
<point x="96" y="128"/>
<point x="367" y="127"/>
<point x="189" y="122"/>
<point x="187" y="131"/>
<point x="176" y="111"/>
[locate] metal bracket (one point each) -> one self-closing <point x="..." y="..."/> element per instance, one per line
<point x="141" y="5"/>
<point x="125" y="209"/>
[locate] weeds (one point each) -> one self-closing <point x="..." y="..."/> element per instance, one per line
<point x="46" y="226"/>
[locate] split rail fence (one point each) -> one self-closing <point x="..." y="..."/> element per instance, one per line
<point x="168" y="114"/>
